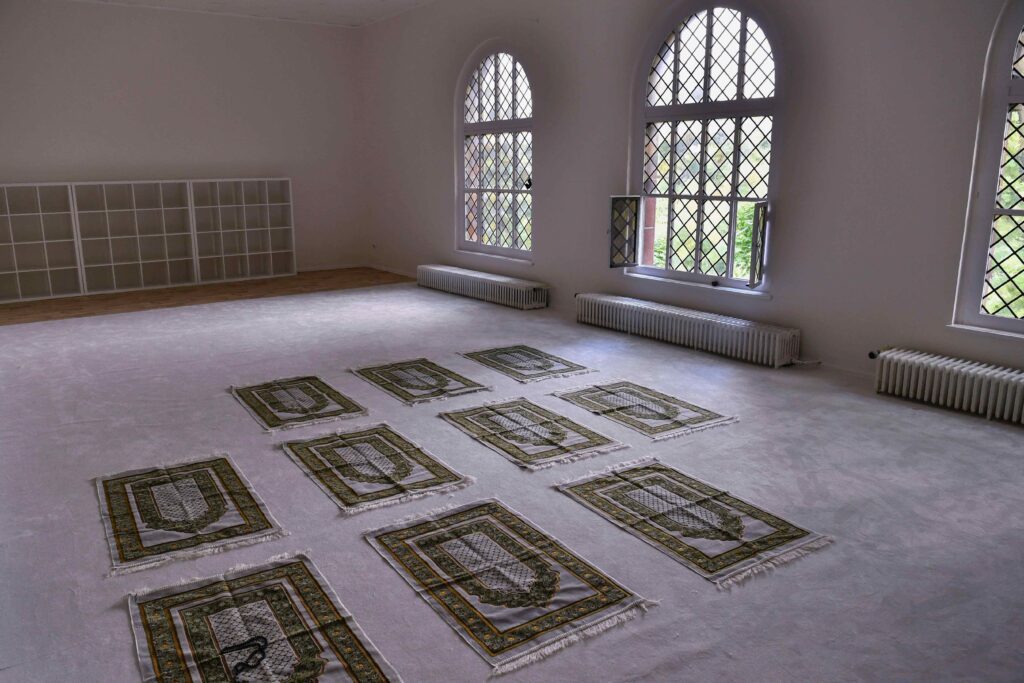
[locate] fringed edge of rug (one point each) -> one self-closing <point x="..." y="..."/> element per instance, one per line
<point x="447" y="489"/>
<point x="687" y="431"/>
<point x="770" y="564"/>
<point x="574" y="457"/>
<point x="432" y="513"/>
<point x="618" y="618"/>
<point x="473" y="390"/>
<point x="610" y="469"/>
<point x="233" y="391"/>
<point x="530" y="380"/>
<point x="224" y="546"/>
<point x="145" y="591"/>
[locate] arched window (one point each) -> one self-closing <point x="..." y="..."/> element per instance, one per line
<point x="990" y="293"/>
<point x="706" y="157"/>
<point x="496" y="158"/>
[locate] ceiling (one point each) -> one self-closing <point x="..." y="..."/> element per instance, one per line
<point x="331" y="12"/>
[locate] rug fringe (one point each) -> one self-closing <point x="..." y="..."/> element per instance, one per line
<point x="415" y="517"/>
<point x="720" y="422"/>
<point x="613" y="620"/>
<point x="280" y="557"/>
<point x="530" y="380"/>
<point x="272" y="535"/>
<point x="772" y="563"/>
<point x="581" y="455"/>
<point x="449" y="489"/>
<point x="610" y="469"/>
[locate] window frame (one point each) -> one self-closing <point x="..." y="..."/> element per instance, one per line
<point x="999" y="90"/>
<point x="643" y="114"/>
<point x="462" y="129"/>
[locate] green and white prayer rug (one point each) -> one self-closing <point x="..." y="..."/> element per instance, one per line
<point x="296" y="402"/>
<point x="647" y="411"/>
<point x="511" y="591"/>
<point x="722" y="538"/>
<point x="525" y="363"/>
<point x="279" y="622"/>
<point x="372" y="467"/>
<point x="529" y="435"/>
<point x="418" y="381"/>
<point x="157" y="514"/>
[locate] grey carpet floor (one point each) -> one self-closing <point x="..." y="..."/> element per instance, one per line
<point x="926" y="506"/>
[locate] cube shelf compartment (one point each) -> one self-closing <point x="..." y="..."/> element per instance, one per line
<point x="38" y="250"/>
<point x="81" y="238"/>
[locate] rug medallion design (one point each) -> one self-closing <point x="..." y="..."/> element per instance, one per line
<point x="529" y="435"/>
<point x="647" y="411"/>
<point x="372" y="467"/>
<point x="278" y="623"/>
<point x="154" y="515"/>
<point x="296" y="402"/>
<point x="511" y="591"/>
<point x="525" y="363"/>
<point x="418" y="381"/>
<point x="724" y="539"/>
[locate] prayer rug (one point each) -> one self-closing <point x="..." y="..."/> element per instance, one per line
<point x="511" y="591"/>
<point x="296" y="402"/>
<point x="279" y="622"/>
<point x="371" y="468"/>
<point x="649" y="412"/>
<point x="525" y="363"/>
<point x="155" y="515"/>
<point x="418" y="381"/>
<point x="529" y="435"/>
<point x="722" y="538"/>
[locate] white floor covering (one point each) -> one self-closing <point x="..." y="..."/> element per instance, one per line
<point x="923" y="583"/>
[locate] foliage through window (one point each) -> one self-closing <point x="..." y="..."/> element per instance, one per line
<point x="498" y="156"/>
<point x="707" y="146"/>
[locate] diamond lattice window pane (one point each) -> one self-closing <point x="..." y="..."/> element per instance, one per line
<point x="506" y="221"/>
<point x="506" y="161"/>
<point x="1003" y="294"/>
<point x="693" y="35"/>
<point x="718" y="166"/>
<point x="714" y="244"/>
<point x="1010" y="193"/>
<point x="524" y="221"/>
<point x="755" y="157"/>
<point x="524" y="160"/>
<point x="656" y="158"/>
<point x="687" y="157"/>
<point x="472" y="221"/>
<point x="488" y="161"/>
<point x="488" y="218"/>
<point x="759" y="69"/>
<point x="524" y="96"/>
<point x="659" y="81"/>
<point x="725" y="51"/>
<point x="487" y="89"/>
<point x="1018" y="56"/>
<point x="683" y="228"/>
<point x="506" y="68"/>
<point x="473" y="98"/>
<point x="472" y="161"/>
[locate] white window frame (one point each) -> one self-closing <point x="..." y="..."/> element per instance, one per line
<point x="643" y="114"/>
<point x="462" y="129"/>
<point x="998" y="92"/>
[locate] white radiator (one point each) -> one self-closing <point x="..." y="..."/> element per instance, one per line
<point x="497" y="289"/>
<point x="965" y="385"/>
<point x="733" y="337"/>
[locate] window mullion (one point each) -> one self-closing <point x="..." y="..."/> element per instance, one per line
<point x="671" y="227"/>
<point x="742" y="64"/>
<point x="702" y="177"/>
<point x="514" y="176"/>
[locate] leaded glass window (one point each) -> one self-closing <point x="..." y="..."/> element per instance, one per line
<point x="1003" y="293"/>
<point x="707" y="145"/>
<point x="498" y="156"/>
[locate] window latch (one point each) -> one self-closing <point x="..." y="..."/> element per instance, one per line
<point x="528" y="184"/>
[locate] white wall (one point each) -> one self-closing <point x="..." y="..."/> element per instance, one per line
<point x="879" y="123"/>
<point x="874" y="170"/>
<point x="101" y="92"/>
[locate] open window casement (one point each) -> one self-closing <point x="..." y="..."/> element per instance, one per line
<point x="624" y="231"/>
<point x="758" y="238"/>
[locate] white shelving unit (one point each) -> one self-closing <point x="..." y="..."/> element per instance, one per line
<point x="38" y="250"/>
<point x="83" y="238"/>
